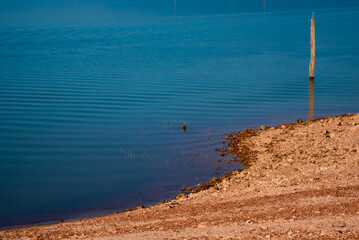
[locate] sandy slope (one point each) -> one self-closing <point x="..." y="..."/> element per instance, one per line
<point x="302" y="183"/>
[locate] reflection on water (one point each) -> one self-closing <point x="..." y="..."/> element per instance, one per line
<point x="174" y="7"/>
<point x="264" y="6"/>
<point x="311" y="99"/>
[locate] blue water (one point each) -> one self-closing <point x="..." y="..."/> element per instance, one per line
<point x="93" y="94"/>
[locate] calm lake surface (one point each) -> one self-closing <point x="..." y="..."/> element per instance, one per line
<point x="93" y="94"/>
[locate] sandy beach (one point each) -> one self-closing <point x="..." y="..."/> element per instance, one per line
<point x="301" y="181"/>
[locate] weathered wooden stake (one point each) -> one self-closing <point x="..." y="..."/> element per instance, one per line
<point x="312" y="48"/>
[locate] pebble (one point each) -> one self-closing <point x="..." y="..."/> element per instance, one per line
<point x="341" y="224"/>
<point x="263" y="227"/>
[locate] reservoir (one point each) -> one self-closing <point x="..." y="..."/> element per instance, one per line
<point x="94" y="94"/>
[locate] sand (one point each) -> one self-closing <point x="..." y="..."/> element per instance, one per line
<point x="301" y="181"/>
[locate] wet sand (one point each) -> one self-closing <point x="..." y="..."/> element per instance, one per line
<point x="301" y="181"/>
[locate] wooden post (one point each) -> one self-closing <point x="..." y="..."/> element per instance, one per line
<point x="312" y="48"/>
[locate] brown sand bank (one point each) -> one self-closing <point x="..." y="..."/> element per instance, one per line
<point x="302" y="183"/>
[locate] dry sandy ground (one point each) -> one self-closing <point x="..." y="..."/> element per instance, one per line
<point x="302" y="183"/>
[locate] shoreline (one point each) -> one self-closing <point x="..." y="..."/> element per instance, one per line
<point x="307" y="160"/>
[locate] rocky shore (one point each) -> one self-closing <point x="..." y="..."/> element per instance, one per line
<point x="301" y="181"/>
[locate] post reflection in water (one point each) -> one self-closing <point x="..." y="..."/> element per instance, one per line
<point x="264" y="6"/>
<point x="311" y="99"/>
<point x="175" y="7"/>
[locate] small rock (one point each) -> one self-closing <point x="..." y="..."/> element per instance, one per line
<point x="140" y="207"/>
<point x="264" y="228"/>
<point x="201" y="226"/>
<point x="327" y="134"/>
<point x="214" y="179"/>
<point x="341" y="224"/>
<point x="323" y="233"/>
<point x="179" y="196"/>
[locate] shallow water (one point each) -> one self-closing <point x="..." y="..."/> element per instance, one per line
<point x="93" y="94"/>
